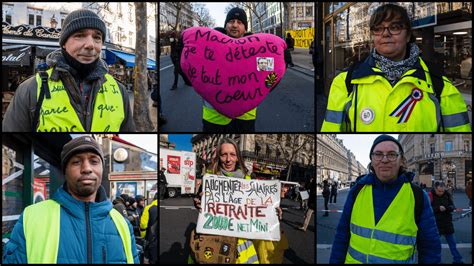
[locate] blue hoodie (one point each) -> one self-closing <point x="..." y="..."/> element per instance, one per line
<point x="106" y="246"/>
<point x="428" y="239"/>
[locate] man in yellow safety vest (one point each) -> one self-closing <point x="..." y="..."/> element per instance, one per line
<point x="78" y="224"/>
<point x="75" y="93"/>
<point x="386" y="218"/>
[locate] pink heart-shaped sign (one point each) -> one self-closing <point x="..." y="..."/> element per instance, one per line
<point x="233" y="75"/>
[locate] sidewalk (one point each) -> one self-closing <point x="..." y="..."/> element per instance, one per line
<point x="303" y="61"/>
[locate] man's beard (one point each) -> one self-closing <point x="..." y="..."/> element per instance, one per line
<point x="84" y="190"/>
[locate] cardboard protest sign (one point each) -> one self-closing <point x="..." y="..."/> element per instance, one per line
<point x="239" y="208"/>
<point x="233" y="75"/>
<point x="304" y="195"/>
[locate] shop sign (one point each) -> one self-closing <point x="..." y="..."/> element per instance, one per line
<point x="424" y="15"/>
<point x="133" y="176"/>
<point x="16" y="57"/>
<point x="304" y="25"/>
<point x="31" y="32"/>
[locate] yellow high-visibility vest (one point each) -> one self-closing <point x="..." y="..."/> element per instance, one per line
<point x="211" y="115"/>
<point x="58" y="115"/>
<point x="41" y="226"/>
<point x="408" y="106"/>
<point x="392" y="239"/>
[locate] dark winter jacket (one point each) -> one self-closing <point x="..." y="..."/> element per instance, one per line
<point x="21" y="111"/>
<point x="444" y="219"/>
<point x="106" y="243"/>
<point x="429" y="244"/>
<point x="326" y="191"/>
<point x="120" y="206"/>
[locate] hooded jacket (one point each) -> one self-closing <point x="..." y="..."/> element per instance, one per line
<point x="106" y="244"/>
<point x="21" y="111"/>
<point x="429" y="244"/>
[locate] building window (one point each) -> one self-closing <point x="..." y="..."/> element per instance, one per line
<point x="7" y="12"/>
<point x="31" y="19"/>
<point x="63" y="17"/>
<point x="38" y="20"/>
<point x="448" y="146"/>
<point x="467" y="146"/>
<point x="35" y="15"/>
<point x="309" y="11"/>
<point x="432" y="148"/>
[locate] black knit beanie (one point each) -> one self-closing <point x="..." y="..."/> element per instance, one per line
<point x="236" y="13"/>
<point x="382" y="138"/>
<point x="78" y="20"/>
<point x="79" y="145"/>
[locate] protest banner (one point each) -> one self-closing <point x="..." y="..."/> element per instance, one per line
<point x="233" y="75"/>
<point x="304" y="195"/>
<point x="239" y="208"/>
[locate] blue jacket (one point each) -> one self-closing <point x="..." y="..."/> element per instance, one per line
<point x="428" y="239"/>
<point x="106" y="246"/>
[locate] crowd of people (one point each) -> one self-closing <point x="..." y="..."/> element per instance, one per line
<point x="144" y="221"/>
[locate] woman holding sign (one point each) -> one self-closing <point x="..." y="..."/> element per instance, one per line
<point x="228" y="161"/>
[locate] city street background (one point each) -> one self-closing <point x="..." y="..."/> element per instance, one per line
<point x="326" y="228"/>
<point x="178" y="217"/>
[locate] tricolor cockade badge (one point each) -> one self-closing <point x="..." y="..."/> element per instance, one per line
<point x="406" y="107"/>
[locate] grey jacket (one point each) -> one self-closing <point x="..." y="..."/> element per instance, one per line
<point x="21" y="111"/>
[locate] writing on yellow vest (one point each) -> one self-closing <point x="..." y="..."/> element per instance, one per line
<point x="392" y="239"/>
<point x="58" y="115"/>
<point x="42" y="245"/>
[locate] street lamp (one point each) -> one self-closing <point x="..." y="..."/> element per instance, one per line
<point x="53" y="22"/>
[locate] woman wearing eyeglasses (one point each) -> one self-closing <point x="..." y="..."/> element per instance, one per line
<point x="385" y="217"/>
<point x="393" y="89"/>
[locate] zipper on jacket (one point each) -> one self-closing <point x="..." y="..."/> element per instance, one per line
<point x="88" y="235"/>
<point x="104" y="257"/>
<point x="84" y="105"/>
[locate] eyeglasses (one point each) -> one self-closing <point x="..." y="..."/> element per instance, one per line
<point x="391" y="156"/>
<point x="393" y="29"/>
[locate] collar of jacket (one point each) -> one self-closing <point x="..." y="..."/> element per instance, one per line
<point x="56" y="59"/>
<point x="76" y="208"/>
<point x="222" y="30"/>
<point x="366" y="68"/>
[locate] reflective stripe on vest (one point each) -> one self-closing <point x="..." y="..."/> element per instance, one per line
<point x="392" y="239"/>
<point x="58" y="115"/>
<point x="42" y="245"/>
<point x="211" y="115"/>
<point x="247" y="252"/>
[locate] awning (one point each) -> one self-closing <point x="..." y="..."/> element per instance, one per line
<point x="43" y="51"/>
<point x="112" y="55"/>
<point x="16" y="55"/>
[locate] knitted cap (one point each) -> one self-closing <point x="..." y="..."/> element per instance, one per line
<point x="236" y="13"/>
<point x="78" y="20"/>
<point x="382" y="138"/>
<point x="79" y="145"/>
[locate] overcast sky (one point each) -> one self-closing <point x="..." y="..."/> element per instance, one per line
<point x="217" y="12"/>
<point x="148" y="142"/>
<point x="360" y="145"/>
